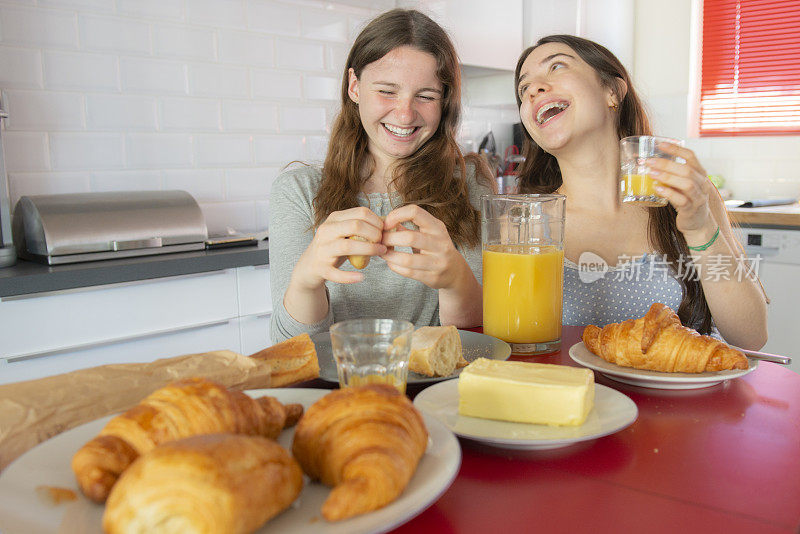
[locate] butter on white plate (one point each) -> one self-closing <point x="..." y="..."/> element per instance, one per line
<point x="524" y="392"/>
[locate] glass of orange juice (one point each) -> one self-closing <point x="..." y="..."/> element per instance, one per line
<point x="523" y="264"/>
<point x="372" y="351"/>
<point x="636" y="183"/>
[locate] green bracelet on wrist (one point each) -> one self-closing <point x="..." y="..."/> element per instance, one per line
<point x="710" y="242"/>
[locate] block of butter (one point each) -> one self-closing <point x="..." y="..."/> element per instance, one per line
<point x="526" y="392"/>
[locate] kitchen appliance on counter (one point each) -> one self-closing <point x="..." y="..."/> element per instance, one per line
<point x="69" y="228"/>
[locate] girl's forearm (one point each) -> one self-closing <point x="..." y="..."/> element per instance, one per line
<point x="733" y="292"/>
<point x="461" y="304"/>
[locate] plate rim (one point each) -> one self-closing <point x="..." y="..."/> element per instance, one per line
<point x="440" y="438"/>
<point x="427" y="379"/>
<point x="537" y="444"/>
<point x="648" y="380"/>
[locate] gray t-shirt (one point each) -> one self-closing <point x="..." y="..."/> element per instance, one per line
<point x="382" y="293"/>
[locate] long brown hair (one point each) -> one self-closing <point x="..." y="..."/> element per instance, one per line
<point x="434" y="177"/>
<point x="540" y="172"/>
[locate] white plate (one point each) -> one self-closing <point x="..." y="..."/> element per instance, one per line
<point x="473" y="346"/>
<point x="653" y="379"/>
<point x="612" y="412"/>
<point x="21" y="511"/>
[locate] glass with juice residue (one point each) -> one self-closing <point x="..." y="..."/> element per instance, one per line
<point x="523" y="263"/>
<point x="636" y="184"/>
<point x="372" y="351"/>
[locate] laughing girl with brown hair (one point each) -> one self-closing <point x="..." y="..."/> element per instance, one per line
<point x="392" y="164"/>
<point x="577" y="101"/>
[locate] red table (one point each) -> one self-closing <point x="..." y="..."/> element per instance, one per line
<point x="719" y="459"/>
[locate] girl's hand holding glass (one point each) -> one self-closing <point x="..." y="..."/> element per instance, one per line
<point x="687" y="187"/>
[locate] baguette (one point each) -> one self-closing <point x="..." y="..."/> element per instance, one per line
<point x="35" y="410"/>
<point x="292" y="361"/>
<point x="436" y="351"/>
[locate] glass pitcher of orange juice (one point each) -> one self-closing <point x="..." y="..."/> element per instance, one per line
<point x="523" y="270"/>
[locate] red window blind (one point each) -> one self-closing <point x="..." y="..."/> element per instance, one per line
<point x="750" y="79"/>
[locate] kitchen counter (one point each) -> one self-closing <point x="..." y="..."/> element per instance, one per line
<point x="27" y="277"/>
<point x="787" y="217"/>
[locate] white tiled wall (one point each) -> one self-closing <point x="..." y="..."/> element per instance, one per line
<point x="210" y="96"/>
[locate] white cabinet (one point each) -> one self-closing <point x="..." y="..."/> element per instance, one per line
<point x="493" y="34"/>
<point x="545" y="17"/>
<point x="608" y="22"/>
<point x="254" y="332"/>
<point x="254" y="290"/>
<point x="40" y="323"/>
<point x="255" y="308"/>
<point x="46" y="334"/>
<point x="780" y="284"/>
<point x="146" y="348"/>
<point x="486" y="34"/>
<point x="778" y="270"/>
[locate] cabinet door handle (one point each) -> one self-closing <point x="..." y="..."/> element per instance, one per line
<point x="86" y="289"/>
<point x="104" y="342"/>
<point x="764" y="252"/>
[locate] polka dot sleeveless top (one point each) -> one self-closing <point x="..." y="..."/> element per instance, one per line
<point x="623" y="292"/>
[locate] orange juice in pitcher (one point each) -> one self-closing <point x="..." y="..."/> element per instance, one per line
<point x="523" y="262"/>
<point x="522" y="294"/>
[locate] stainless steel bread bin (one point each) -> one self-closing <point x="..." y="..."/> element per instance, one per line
<point x="69" y="228"/>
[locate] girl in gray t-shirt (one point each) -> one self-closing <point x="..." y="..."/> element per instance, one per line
<point x="394" y="176"/>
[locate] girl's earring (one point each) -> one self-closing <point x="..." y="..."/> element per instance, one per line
<point x="614" y="106"/>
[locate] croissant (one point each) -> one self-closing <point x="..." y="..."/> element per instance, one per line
<point x="364" y="441"/>
<point x="184" y="408"/>
<point x="658" y="342"/>
<point x="204" y="484"/>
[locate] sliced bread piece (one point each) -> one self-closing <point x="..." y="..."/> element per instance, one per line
<point x="435" y="351"/>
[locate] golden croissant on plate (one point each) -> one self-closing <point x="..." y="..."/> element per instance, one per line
<point x="658" y="342"/>
<point x="364" y="441"/>
<point x="215" y="483"/>
<point x="184" y="408"/>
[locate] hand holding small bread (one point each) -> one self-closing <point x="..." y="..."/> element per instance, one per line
<point x="434" y="259"/>
<point x="359" y="262"/>
<point x="353" y="232"/>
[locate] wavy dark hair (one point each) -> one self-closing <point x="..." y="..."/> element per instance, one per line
<point x="434" y="177"/>
<point x="540" y="172"/>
